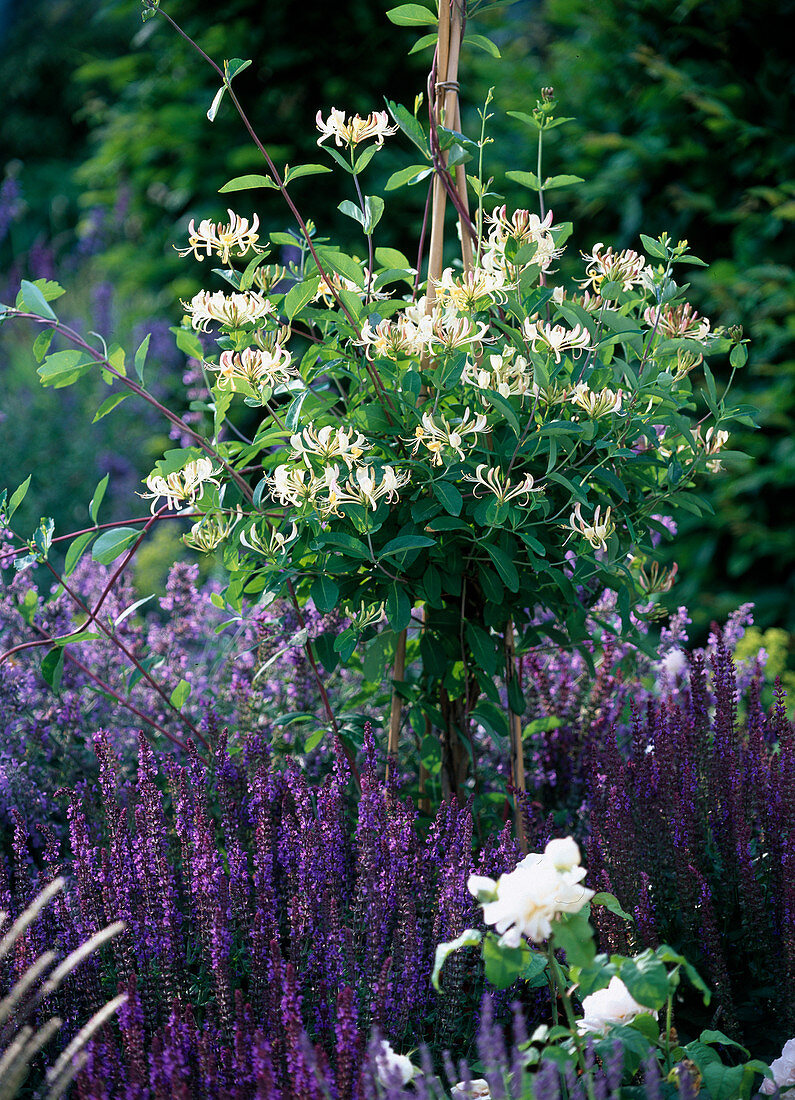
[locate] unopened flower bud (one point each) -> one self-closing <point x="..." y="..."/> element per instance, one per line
<point x="736" y="333"/>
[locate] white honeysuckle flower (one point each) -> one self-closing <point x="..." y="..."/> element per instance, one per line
<point x="507" y="373"/>
<point x="527" y="900"/>
<point x="559" y="295"/>
<point x="625" y="267"/>
<point x="472" y="290"/>
<point x="257" y="367"/>
<point x="438" y="437"/>
<point x="362" y="486"/>
<point x="609" y="1007"/>
<point x="354" y="129"/>
<point x="238" y="238"/>
<point x="335" y="282"/>
<point x="592" y="302"/>
<point x="451" y="331"/>
<point x="597" y="532"/>
<point x="556" y="338"/>
<point x="277" y="541"/>
<point x="392" y="1067"/>
<point x="401" y="338"/>
<point x="478" y="1089"/>
<point x="710" y="444"/>
<point x="210" y="532"/>
<point x="678" y="321"/>
<point x="597" y="404"/>
<point x="183" y="486"/>
<point x="504" y="490"/>
<point x="231" y="310"/>
<point x="293" y="487"/>
<point x="327" y="443"/>
<point x="783" y="1073"/>
<point x="524" y="228"/>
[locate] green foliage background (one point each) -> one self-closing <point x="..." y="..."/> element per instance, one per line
<point x="682" y="124"/>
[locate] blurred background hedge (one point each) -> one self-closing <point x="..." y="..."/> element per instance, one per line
<point x="682" y="123"/>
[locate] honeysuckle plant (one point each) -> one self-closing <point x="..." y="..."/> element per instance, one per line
<point x="457" y="458"/>
<point x="542" y="936"/>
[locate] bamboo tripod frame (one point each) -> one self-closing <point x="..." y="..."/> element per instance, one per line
<point x="447" y="112"/>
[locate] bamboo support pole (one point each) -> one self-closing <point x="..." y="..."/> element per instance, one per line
<point x="398" y="674"/>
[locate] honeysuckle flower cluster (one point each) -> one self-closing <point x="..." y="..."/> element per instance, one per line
<point x="556" y="338"/>
<point x="439" y="438"/>
<point x="237" y="238"/>
<point x="232" y="310"/>
<point x="508" y="373"/>
<point x="623" y="267"/>
<point x="596" y="404"/>
<point x="495" y="482"/>
<point x="527" y="901"/>
<point x="598" y="531"/>
<point x="256" y="367"/>
<point x="681" y="321"/>
<point x="472" y="290"/>
<point x="183" y="486"/>
<point x="354" y="129"/>
<point x="521" y="227"/>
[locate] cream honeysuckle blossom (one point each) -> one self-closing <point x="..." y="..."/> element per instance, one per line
<point x="555" y="338"/>
<point x="268" y="276"/>
<point x="210" y="532"/>
<point x="523" y="227"/>
<point x="231" y="310"/>
<point x="183" y="486"/>
<point x="237" y="238"/>
<point x="327" y="443"/>
<point x="507" y="373"/>
<point x="450" y="331"/>
<point x="709" y="444"/>
<point x="365" y="616"/>
<point x="597" y="403"/>
<point x="363" y="487"/>
<point x="293" y="487"/>
<point x="354" y="129"/>
<point x="436" y="438"/>
<point x="527" y="901"/>
<point x="678" y="321"/>
<point x="257" y="367"/>
<point x="335" y="282"/>
<point x="472" y="290"/>
<point x="610" y="1007"/>
<point x="623" y="267"/>
<point x="593" y="303"/>
<point x="401" y="338"/>
<point x="494" y="481"/>
<point x="276" y="544"/>
<point x="597" y="532"/>
<point x="685" y="362"/>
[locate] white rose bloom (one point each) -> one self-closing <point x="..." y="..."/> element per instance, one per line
<point x="475" y="1090"/>
<point x="388" y="1064"/>
<point x="606" y="1007"/>
<point x="563" y="853"/>
<point x="533" y="894"/>
<point x="783" y="1073"/>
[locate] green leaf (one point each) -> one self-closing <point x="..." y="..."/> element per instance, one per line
<point x="503" y="964"/>
<point x="179" y="696"/>
<point x="325" y="593"/>
<point x="294" y="410"/>
<point x="351" y="210"/>
<point x="423" y="43"/>
<point x="646" y="979"/>
<point x="52" y="667"/>
<point x="469" y="938"/>
<point x="109" y="404"/>
<point x="410" y="126"/>
<point x="298" y="296"/>
<point x="374" y="209"/>
<point x="76" y="550"/>
<point x="503" y="405"/>
<point x="668" y="955"/>
<point x="722" y="1081"/>
<point x="42" y="343"/>
<point x="391" y="258"/>
<point x="562" y="181"/>
<point x="610" y="901"/>
<point x="738" y="356"/>
<point x="504" y="565"/>
<point x="248" y="183"/>
<point x="653" y="247"/>
<point x="31" y="300"/>
<point x="449" y="497"/>
<point x="216" y="103"/>
<point x="96" y="500"/>
<point x="112" y="544"/>
<point x="483" y="648"/>
<point x="404" y="543"/>
<point x="535" y="973"/>
<point x="314" y="740"/>
<point x="574" y="934"/>
<point x="140" y="357"/>
<point x="233" y="67"/>
<point x="304" y="170"/>
<point x="411" y="15"/>
<point x="482" y="43"/>
<point x="62" y="368"/>
<point x="188" y="342"/>
<point x="718" y="1037"/>
<point x="18" y="496"/>
<point x="398" y="608"/>
<point x="526" y="179"/>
